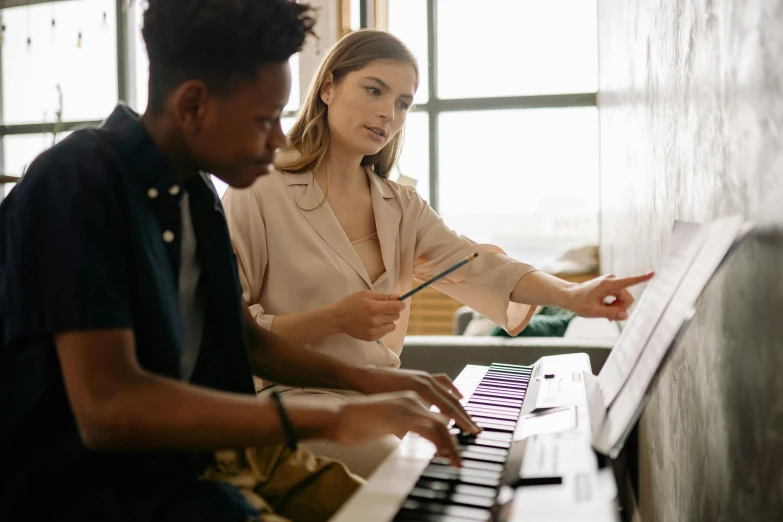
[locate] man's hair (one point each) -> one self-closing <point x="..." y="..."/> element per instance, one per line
<point x="218" y="41"/>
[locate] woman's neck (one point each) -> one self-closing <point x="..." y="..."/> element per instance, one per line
<point x="345" y="168"/>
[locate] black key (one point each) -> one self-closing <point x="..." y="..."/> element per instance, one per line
<point x="437" y="485"/>
<point x="417" y="516"/>
<point x="479" y="515"/>
<point x="445" y="497"/>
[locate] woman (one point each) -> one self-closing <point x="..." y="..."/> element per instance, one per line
<point x="326" y="243"/>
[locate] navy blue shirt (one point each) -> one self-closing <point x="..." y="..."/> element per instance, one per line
<point x="90" y="240"/>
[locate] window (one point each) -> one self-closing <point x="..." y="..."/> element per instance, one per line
<point x="48" y="51"/>
<point x="505" y="132"/>
<point x="60" y="69"/>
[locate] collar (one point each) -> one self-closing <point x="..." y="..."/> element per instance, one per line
<point x="146" y="161"/>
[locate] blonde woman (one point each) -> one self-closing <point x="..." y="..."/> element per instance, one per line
<point x="326" y="243"/>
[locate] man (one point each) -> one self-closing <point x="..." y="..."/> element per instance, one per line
<point x="122" y="341"/>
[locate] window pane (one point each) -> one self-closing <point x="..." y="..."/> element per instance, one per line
<point x="414" y="162"/>
<point x="408" y="22"/>
<point x="516" y="47"/>
<point x="143" y="65"/>
<point x="525" y="180"/>
<point x="20" y="150"/>
<point x="86" y="71"/>
<point x="221" y="187"/>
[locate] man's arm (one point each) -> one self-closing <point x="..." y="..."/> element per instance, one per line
<point x="118" y="405"/>
<point x="273" y="358"/>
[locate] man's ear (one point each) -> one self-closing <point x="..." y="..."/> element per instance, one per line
<point x="190" y="101"/>
<point x="326" y="89"/>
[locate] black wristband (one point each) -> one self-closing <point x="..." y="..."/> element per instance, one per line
<point x="290" y="436"/>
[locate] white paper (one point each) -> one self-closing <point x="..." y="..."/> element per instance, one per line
<point x="629" y="402"/>
<point x="686" y="241"/>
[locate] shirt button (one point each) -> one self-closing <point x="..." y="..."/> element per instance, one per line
<point x="378" y="341"/>
<point x="152" y="193"/>
<point x="174" y="190"/>
<point x="168" y="236"/>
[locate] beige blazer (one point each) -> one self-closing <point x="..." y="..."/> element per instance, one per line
<point x="291" y="260"/>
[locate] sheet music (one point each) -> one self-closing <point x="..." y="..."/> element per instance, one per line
<point x="687" y="238"/>
<point x="629" y="403"/>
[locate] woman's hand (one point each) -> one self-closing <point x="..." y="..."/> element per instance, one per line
<point x="369" y="418"/>
<point x="605" y="296"/>
<point x="367" y="315"/>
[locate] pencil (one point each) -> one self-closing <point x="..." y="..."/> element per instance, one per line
<point x="446" y="272"/>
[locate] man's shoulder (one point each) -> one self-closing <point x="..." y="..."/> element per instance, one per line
<point x="85" y="160"/>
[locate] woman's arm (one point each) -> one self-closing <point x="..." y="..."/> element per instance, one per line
<point x="363" y="315"/>
<point x="605" y="296"/>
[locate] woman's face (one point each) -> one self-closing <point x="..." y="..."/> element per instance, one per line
<point x="369" y="106"/>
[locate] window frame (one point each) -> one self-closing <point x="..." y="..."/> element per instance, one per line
<point x="435" y="106"/>
<point x="126" y="79"/>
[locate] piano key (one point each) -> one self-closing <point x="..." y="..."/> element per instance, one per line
<point x="494" y="420"/>
<point x="485" y="457"/>
<point x="499" y="392"/>
<point x="471" y="464"/>
<point x="498" y="452"/>
<point x="438" y="485"/>
<point x="506" y="384"/>
<point x="499" y="409"/>
<point x="493" y="427"/>
<point x="467" y="438"/>
<point x="477" y="514"/>
<point x="451" y="498"/>
<point x="492" y="415"/>
<point x="465" y="472"/>
<point x="496" y="367"/>
<point x="494" y="401"/>
<point x="442" y="473"/>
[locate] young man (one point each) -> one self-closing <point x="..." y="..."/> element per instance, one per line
<point x="123" y="347"/>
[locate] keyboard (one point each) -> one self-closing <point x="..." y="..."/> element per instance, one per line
<point x="507" y="474"/>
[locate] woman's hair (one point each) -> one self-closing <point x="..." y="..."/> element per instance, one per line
<point x="310" y="133"/>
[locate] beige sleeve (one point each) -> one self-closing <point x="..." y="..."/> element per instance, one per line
<point x="248" y="235"/>
<point x="485" y="284"/>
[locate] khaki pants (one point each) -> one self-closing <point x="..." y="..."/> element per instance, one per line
<point x="284" y="485"/>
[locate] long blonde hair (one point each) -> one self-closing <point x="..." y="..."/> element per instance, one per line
<point x="310" y="133"/>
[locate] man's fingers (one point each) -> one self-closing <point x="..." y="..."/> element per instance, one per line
<point x="450" y="406"/>
<point x="444" y="381"/>
<point x="437" y="432"/>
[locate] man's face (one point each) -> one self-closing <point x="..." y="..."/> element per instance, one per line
<point x="235" y="137"/>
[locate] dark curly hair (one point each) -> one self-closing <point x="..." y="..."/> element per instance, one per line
<point x="218" y="41"/>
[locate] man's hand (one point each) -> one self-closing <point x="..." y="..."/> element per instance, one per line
<point x="436" y="390"/>
<point x="369" y="418"/>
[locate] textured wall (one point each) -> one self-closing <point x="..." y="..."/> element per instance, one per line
<point x="692" y="127"/>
